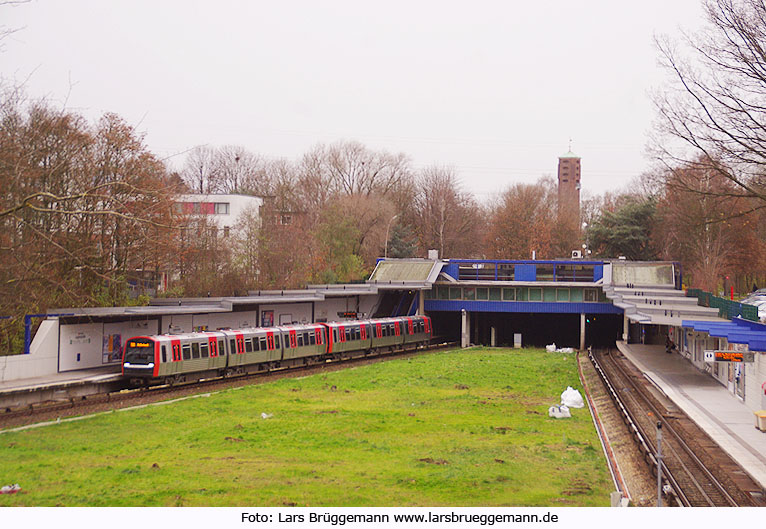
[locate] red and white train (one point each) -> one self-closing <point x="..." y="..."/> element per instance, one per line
<point x="175" y="358"/>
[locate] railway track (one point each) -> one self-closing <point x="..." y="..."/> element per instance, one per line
<point x="137" y="396"/>
<point x="696" y="472"/>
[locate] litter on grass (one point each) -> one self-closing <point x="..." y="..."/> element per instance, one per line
<point x="10" y="489"/>
<point x="559" y="412"/>
<point x="572" y="398"/>
<point x="553" y="349"/>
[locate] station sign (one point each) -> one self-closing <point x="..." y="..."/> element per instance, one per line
<point x="347" y="315"/>
<point x="729" y="356"/>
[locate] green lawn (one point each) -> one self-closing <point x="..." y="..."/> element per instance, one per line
<point x="457" y="428"/>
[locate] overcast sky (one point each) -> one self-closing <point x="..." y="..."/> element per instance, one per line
<point x="494" y="89"/>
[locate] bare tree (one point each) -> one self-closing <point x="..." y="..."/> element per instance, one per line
<point x="446" y="217"/>
<point x="712" y="116"/>
<point x="199" y="170"/>
<point x="521" y="220"/>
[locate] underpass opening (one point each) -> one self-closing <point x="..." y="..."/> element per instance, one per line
<point x="536" y="329"/>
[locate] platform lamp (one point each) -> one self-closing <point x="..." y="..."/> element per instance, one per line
<point x="385" y="250"/>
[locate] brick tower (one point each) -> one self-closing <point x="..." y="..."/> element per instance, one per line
<point x="569" y="185"/>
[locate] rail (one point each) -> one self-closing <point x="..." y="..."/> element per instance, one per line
<point x="686" y="477"/>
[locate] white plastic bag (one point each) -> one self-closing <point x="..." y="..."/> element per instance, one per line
<point x="559" y="412"/>
<point x="551" y="348"/>
<point x="572" y="398"/>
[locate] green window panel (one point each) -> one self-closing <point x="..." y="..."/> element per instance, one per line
<point x="575" y="295"/>
<point x="469" y="293"/>
<point x="509" y="294"/>
<point x="549" y="294"/>
<point x="562" y="294"/>
<point x="443" y="292"/>
<point x="482" y="294"/>
<point x="454" y="292"/>
<point x="535" y="294"/>
<point x="522" y="294"/>
<point x="494" y="294"/>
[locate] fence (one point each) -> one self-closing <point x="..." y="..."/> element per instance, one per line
<point x="726" y="308"/>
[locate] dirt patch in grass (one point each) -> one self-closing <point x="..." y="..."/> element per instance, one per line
<point x="433" y="461"/>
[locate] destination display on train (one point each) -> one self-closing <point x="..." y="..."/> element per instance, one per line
<point x="729" y="356"/>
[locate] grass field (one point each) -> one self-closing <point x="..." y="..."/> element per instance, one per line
<point x="458" y="428"/>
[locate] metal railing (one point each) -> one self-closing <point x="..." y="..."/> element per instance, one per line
<point x="726" y="308"/>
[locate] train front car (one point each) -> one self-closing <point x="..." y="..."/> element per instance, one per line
<point x="141" y="358"/>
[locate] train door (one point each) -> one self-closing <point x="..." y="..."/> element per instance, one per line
<point x="212" y="345"/>
<point x="175" y="347"/>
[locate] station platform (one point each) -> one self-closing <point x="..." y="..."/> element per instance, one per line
<point x="723" y="416"/>
<point x="57" y="386"/>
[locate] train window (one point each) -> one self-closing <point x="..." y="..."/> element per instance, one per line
<point x="255" y="344"/>
<point x="164" y="354"/>
<point x="205" y="352"/>
<point x="249" y="345"/>
<point x="348" y="334"/>
<point x="195" y="350"/>
<point x="263" y="343"/>
<point x="306" y="338"/>
<point x="391" y="329"/>
<point x="384" y="328"/>
<point x="232" y="346"/>
<point x="300" y="340"/>
<point x="221" y="350"/>
<point x="276" y="341"/>
<point x="335" y="335"/>
<point x="186" y="351"/>
<point x="312" y="339"/>
<point x="357" y="333"/>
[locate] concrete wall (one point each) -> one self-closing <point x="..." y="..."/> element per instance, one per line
<point x="755" y="377"/>
<point x="329" y="308"/>
<point x="286" y="314"/>
<point x="42" y="359"/>
<point x="180" y="323"/>
<point x="89" y="345"/>
<point x="642" y="274"/>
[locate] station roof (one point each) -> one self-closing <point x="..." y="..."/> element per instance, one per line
<point x="736" y="331"/>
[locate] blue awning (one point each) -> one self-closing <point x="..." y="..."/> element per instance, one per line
<point x="735" y="331"/>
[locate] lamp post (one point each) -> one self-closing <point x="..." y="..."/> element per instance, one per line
<point x="385" y="250"/>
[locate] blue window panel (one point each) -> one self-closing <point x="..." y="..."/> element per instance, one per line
<point x="526" y="272"/>
<point x="520" y="306"/>
<point x="598" y="272"/>
<point x="451" y="270"/>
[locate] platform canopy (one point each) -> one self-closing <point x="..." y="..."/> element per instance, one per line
<point x="735" y="331"/>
